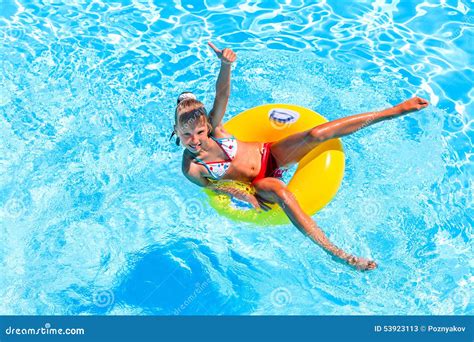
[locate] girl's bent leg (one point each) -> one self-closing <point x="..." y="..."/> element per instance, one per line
<point x="293" y="148"/>
<point x="273" y="190"/>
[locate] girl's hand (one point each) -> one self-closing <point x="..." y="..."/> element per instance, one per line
<point x="227" y="56"/>
<point x="413" y="104"/>
<point x="259" y="203"/>
<point x="361" y="264"/>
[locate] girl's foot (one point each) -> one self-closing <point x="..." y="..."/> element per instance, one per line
<point x="361" y="263"/>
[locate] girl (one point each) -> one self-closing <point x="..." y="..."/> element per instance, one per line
<point x="212" y="154"/>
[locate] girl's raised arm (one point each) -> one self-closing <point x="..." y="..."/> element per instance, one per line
<point x="227" y="57"/>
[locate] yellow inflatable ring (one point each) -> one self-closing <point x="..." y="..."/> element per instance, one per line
<point x="316" y="179"/>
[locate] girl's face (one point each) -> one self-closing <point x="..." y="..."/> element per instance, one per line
<point x="193" y="136"/>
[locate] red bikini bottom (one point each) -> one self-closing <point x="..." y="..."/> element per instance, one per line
<point x="269" y="166"/>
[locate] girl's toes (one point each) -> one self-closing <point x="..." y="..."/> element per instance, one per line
<point x="371" y="265"/>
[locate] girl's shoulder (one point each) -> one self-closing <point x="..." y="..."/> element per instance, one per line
<point x="187" y="163"/>
<point x="192" y="171"/>
<point x="219" y="132"/>
<point x="187" y="157"/>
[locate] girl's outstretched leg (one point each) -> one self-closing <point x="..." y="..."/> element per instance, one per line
<point x="291" y="149"/>
<point x="274" y="190"/>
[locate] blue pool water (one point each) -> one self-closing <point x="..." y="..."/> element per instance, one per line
<point x="96" y="218"/>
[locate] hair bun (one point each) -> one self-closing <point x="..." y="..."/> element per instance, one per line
<point x="186" y="95"/>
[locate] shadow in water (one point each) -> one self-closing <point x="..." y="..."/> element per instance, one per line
<point x="185" y="278"/>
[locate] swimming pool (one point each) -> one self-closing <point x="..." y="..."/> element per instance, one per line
<point x="96" y="218"/>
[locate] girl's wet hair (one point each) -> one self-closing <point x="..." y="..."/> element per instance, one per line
<point x="188" y="111"/>
<point x="185" y="95"/>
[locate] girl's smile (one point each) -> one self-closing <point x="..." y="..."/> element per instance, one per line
<point x="195" y="139"/>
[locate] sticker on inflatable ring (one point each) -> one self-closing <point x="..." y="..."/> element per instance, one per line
<point x="282" y="115"/>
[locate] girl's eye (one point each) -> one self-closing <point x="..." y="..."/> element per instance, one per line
<point x="200" y="132"/>
<point x="187" y="134"/>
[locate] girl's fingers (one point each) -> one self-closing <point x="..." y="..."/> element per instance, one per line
<point x="261" y="204"/>
<point x="264" y="204"/>
<point x="421" y="100"/>
<point x="228" y="55"/>
<point x="256" y="206"/>
<point x="216" y="50"/>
